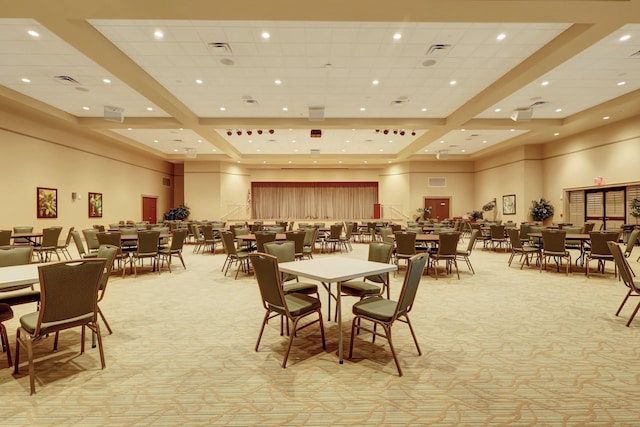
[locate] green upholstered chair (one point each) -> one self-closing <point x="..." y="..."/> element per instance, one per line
<point x="498" y="236"/>
<point x="297" y="237"/>
<point x="345" y="239"/>
<point x="631" y="242"/>
<point x="178" y="238"/>
<point x="147" y="248"/>
<point x="333" y="239"/>
<point x="209" y="239"/>
<point x="284" y="251"/>
<point x="69" y="299"/>
<point x="22" y="229"/>
<point x="293" y="306"/>
<point x="447" y="251"/>
<point x="14" y="255"/>
<point x="371" y="285"/>
<point x="80" y="246"/>
<point x="518" y="248"/>
<point x="234" y="256"/>
<point x="91" y="237"/>
<point x="109" y="254"/>
<point x="465" y="254"/>
<point x="263" y="237"/>
<point x="385" y="312"/>
<point x="49" y="244"/>
<point x="6" y="313"/>
<point x="63" y="247"/>
<point x="627" y="276"/>
<point x="554" y="246"/>
<point x="113" y="238"/>
<point x="310" y="237"/>
<point x="600" y="250"/>
<point x="405" y="246"/>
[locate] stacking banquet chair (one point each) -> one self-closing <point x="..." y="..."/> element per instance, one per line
<point x="198" y="239"/>
<point x="22" y="229"/>
<point x="345" y="239"/>
<point x="297" y="237"/>
<point x="385" y="312"/>
<point x="16" y="255"/>
<point x="293" y="306"/>
<point x="599" y="250"/>
<point x="518" y="248"/>
<point x="627" y="276"/>
<point x="447" y="251"/>
<point x="49" y="245"/>
<point x="405" y="246"/>
<point x="553" y="246"/>
<point x="334" y="237"/>
<point x="234" y="256"/>
<point x="209" y="239"/>
<point x="178" y="237"/>
<point x="147" y="248"/>
<point x="5" y="237"/>
<point x="80" y="246"/>
<point x="69" y="299"/>
<point x="91" y="237"/>
<point x="263" y="237"/>
<point x="371" y="285"/>
<point x="6" y="313"/>
<point x="108" y="253"/>
<point x="112" y="238"/>
<point x="63" y="248"/>
<point x="631" y="243"/>
<point x="310" y="237"/>
<point x="497" y="236"/>
<point x="465" y="254"/>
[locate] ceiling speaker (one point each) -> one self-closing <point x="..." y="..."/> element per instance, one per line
<point x="113" y="114"/>
<point x="522" y="115"/>
<point x="442" y="155"/>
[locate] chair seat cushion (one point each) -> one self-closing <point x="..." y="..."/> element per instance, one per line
<point x="29" y="321"/>
<point x="300" y="287"/>
<point x="358" y="288"/>
<point x="376" y="308"/>
<point x="300" y="303"/>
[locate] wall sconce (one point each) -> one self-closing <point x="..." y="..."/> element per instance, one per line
<point x="75" y="196"/>
<point x="598" y="180"/>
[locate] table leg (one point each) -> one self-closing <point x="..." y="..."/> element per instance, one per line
<point x="339" y="309"/>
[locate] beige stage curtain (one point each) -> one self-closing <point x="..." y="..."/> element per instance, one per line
<point x="313" y="200"/>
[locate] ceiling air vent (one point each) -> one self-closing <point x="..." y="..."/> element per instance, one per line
<point x="438" y="50"/>
<point x="66" y="80"/>
<point x="113" y="114"/>
<point x="250" y="101"/>
<point x="314" y="152"/>
<point x="220" y="48"/>
<point x="437" y="182"/>
<point x="316" y="114"/>
<point x="190" y="153"/>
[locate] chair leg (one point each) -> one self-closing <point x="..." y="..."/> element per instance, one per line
<point x="264" y="322"/>
<point x="415" y="340"/>
<point x="633" y="314"/>
<point x="387" y="331"/>
<point x="105" y="321"/>
<point x="5" y="343"/>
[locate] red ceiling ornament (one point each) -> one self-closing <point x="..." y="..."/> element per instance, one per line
<point x="259" y="131"/>
<point x="249" y="132"/>
<point x="271" y="131"/>
<point x="229" y="133"/>
<point x="239" y="132"/>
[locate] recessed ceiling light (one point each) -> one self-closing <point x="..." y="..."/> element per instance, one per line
<point x="149" y="108"/>
<point x="200" y="140"/>
<point x="391" y="140"/>
<point x="264" y="162"/>
<point x="453" y="82"/>
<point x="33" y="33"/>
<point x="198" y="81"/>
<point x="375" y="82"/>
<point x="606" y="118"/>
<point x="25" y="80"/>
<point x="512" y="130"/>
<point x="257" y="150"/>
<point x="278" y="82"/>
<point x="625" y="38"/>
<point x="381" y="150"/>
<point x="463" y="130"/>
<point x="621" y="83"/>
<point x="365" y="162"/>
<point x="347" y="141"/>
<point x="214" y="150"/>
<point x="362" y="109"/>
<point x="85" y="108"/>
<point x="285" y="109"/>
<point x="397" y="36"/>
<point x="497" y="110"/>
<point x="442" y="141"/>
<point x="295" y="151"/>
<point x="129" y="128"/>
<point x="250" y="141"/>
<point x="315" y="161"/>
<point x="106" y="81"/>
<point x="293" y="140"/>
<point x="484" y="141"/>
<point x="544" y="83"/>
<point x="423" y="109"/>
<point x="265" y="35"/>
<point x="289" y="162"/>
<point x="339" y="161"/>
<point x="159" y="35"/>
<point x="223" y="109"/>
<point x="558" y="110"/>
<point x="156" y="141"/>
<point x="501" y="36"/>
<point x="463" y="151"/>
<point x="343" y="150"/>
<point x="556" y="134"/>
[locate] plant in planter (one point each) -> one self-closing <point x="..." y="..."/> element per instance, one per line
<point x="180" y="213"/>
<point x="634" y="207"/>
<point x="424" y="212"/>
<point x="475" y="215"/>
<point x="541" y="209"/>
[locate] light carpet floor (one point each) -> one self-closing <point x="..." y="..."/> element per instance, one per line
<point x="502" y="347"/>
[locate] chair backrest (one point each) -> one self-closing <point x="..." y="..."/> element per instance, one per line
<point x="623" y="266"/>
<point x="633" y="239"/>
<point x="472" y="240"/>
<point x="599" y="241"/>
<point x="415" y="230"/>
<point x="110" y="238"/>
<point x="207" y="232"/>
<point x="78" y="241"/>
<point x="284" y="251"/>
<point x="5" y="237"/>
<point x="405" y="243"/>
<point x="268" y="277"/>
<point x="588" y="226"/>
<point x="336" y="231"/>
<point x="50" y="237"/>
<point x="90" y="236"/>
<point x="108" y="253"/>
<point x="68" y="294"/>
<point x="448" y="244"/>
<point x="297" y="237"/>
<point x="524" y="231"/>
<point x="15" y="255"/>
<point x="410" y="284"/>
<point x="228" y="244"/>
<point x="514" y="238"/>
<point x="380" y="252"/>
<point x="69" y="236"/>
<point x="497" y="231"/>
<point x="241" y="231"/>
<point x="387" y="234"/>
<point x="263" y="237"/>
<point x="570" y="229"/>
<point x="177" y="239"/>
<point x="554" y="240"/>
<point x="310" y="236"/>
<point x="148" y="241"/>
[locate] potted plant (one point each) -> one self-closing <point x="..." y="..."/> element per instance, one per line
<point x="475" y="215"/>
<point x="423" y="213"/>
<point x="634" y="206"/>
<point x="541" y="209"/>
<point x="181" y="212"/>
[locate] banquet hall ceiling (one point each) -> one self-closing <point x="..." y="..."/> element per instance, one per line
<point x="249" y="81"/>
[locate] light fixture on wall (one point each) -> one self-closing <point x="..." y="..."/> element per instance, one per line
<point x="75" y="196"/>
<point x="598" y="180"/>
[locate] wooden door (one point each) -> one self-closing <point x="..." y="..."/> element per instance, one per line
<point x="439" y="207"/>
<point x="149" y="209"/>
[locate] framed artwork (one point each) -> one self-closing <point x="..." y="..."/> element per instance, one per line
<point x="47" y="202"/>
<point x="509" y="204"/>
<point x="95" y="205"/>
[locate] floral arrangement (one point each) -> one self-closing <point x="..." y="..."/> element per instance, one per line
<point x="475" y="215"/>
<point x="423" y="212"/>
<point x="541" y="209"/>
<point x="635" y="208"/>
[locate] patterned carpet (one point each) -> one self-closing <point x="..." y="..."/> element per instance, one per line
<point x="502" y="347"/>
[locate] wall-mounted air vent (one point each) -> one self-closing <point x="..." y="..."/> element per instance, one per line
<point x="220" y="48"/>
<point x="437" y="182"/>
<point x="166" y="182"/>
<point x="438" y="50"/>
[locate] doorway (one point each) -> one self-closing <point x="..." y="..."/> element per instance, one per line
<point x="605" y="207"/>
<point x="439" y="207"/>
<point x="149" y="209"/>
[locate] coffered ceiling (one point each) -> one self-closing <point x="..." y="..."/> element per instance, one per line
<point x="249" y="81"/>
